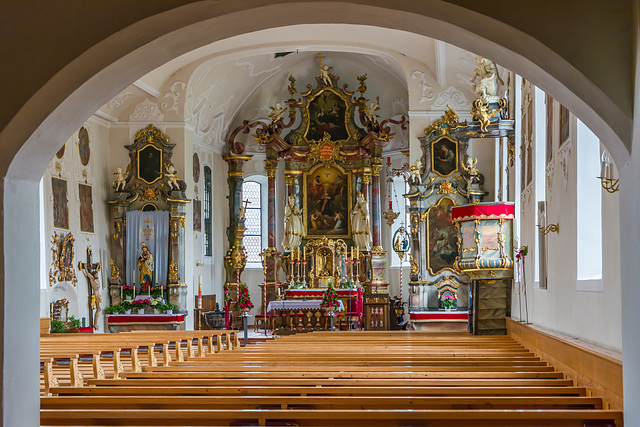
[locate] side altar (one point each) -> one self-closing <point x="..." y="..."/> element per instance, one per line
<point x="332" y="160"/>
<point x="148" y="214"/>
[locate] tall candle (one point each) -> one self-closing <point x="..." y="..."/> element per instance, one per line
<point x="390" y="204"/>
<point x="200" y="294"/>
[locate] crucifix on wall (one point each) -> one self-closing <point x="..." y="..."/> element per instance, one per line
<point x="91" y="271"/>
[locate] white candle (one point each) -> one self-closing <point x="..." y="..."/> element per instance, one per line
<point x="200" y="280"/>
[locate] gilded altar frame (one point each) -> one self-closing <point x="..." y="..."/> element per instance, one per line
<point x="452" y="146"/>
<point x="429" y="242"/>
<point x="306" y="199"/>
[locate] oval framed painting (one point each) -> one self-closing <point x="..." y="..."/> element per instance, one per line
<point x="84" y="151"/>
<point x="196" y="167"/>
<point x="60" y="152"/>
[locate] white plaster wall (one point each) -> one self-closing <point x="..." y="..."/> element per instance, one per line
<point x="591" y="316"/>
<point x="98" y="176"/>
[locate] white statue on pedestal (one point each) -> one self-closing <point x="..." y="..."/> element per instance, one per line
<point x="326" y="75"/>
<point x="361" y="224"/>
<point x="172" y="176"/>
<point x="487" y="87"/>
<point x="120" y="181"/>
<point x="293" y="227"/>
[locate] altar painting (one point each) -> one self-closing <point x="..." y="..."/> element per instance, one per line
<point x="442" y="237"/>
<point x="327" y="114"/>
<point x="86" y="208"/>
<point x="60" y="203"/>
<point x="327" y="203"/>
<point x="444" y="156"/>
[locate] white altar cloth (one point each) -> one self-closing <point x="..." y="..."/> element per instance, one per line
<point x="311" y="304"/>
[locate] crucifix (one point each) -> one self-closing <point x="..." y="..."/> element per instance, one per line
<point x="243" y="210"/>
<point x="91" y="271"/>
<point x="319" y="57"/>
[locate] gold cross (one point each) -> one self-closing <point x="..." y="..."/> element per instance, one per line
<point x="319" y="57"/>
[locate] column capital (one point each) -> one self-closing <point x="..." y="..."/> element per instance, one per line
<point x="270" y="167"/>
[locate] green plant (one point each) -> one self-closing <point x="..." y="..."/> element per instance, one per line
<point x="330" y="297"/>
<point x="167" y="306"/>
<point x="126" y="305"/>
<point x="57" y="327"/>
<point x="114" y="309"/>
<point x="244" y="301"/>
<point x="76" y="322"/>
<point x="448" y="301"/>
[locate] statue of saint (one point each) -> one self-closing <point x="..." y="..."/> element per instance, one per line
<point x="293" y="226"/>
<point x="487" y="71"/>
<point x="360" y="223"/>
<point x="92" y="277"/>
<point x="145" y="265"/>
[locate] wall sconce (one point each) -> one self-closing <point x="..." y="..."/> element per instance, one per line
<point x="606" y="175"/>
<point x="551" y="228"/>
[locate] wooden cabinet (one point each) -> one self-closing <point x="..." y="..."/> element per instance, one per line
<point x="376" y="312"/>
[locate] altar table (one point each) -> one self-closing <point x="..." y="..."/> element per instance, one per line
<point x="142" y="322"/>
<point x="440" y="321"/>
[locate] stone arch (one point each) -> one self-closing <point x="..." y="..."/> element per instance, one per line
<point x="96" y="73"/>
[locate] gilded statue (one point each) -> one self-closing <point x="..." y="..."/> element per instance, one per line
<point x="145" y="266"/>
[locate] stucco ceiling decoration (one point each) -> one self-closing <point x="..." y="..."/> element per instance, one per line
<point x="172" y="97"/>
<point x="146" y="111"/>
<point x="426" y="94"/>
<point x="453" y="97"/>
<point x="119" y="100"/>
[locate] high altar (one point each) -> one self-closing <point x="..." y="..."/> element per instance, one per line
<point x="332" y="161"/>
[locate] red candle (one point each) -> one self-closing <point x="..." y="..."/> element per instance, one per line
<point x="388" y="159"/>
<point x="389" y="204"/>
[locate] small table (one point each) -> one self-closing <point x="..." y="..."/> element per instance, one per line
<point x="144" y="322"/>
<point x="309" y="309"/>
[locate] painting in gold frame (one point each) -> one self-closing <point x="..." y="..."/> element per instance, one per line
<point x="149" y="164"/>
<point x="84" y="151"/>
<point x="444" y="156"/>
<point x="60" y="203"/>
<point x="442" y="237"/>
<point x="328" y="111"/>
<point x="86" y="208"/>
<point x="327" y="202"/>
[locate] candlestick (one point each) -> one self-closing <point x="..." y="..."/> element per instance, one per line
<point x="388" y="159"/>
<point x="390" y="207"/>
<point x="200" y="294"/>
<point x="121" y="294"/>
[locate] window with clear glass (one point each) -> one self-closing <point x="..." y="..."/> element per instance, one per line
<point x="252" y="193"/>
<point x="208" y="250"/>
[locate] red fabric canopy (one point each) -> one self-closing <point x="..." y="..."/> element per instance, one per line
<point x="483" y="211"/>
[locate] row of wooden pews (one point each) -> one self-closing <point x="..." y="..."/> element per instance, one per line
<point x="339" y="378"/>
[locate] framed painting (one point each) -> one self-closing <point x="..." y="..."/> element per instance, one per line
<point x="84" y="151"/>
<point x="327" y="202"/>
<point x="549" y="106"/>
<point x="196" y="168"/>
<point x="444" y="156"/>
<point x="564" y="124"/>
<point x="149" y="164"/>
<point x="197" y="215"/>
<point x="327" y="113"/>
<point x="86" y="208"/>
<point x="60" y="203"/>
<point x="442" y="237"/>
<point x="60" y="152"/>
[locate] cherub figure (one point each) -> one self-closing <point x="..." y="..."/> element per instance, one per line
<point x="120" y="181"/>
<point x="415" y="172"/>
<point x="326" y="76"/>
<point x="172" y="176"/>
<point x="276" y="112"/>
<point x="371" y="110"/>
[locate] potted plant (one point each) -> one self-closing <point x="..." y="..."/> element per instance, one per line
<point x="126" y="307"/>
<point x="128" y="291"/>
<point x="448" y="302"/>
<point x="114" y="309"/>
<point x="244" y="301"/>
<point x="155" y="304"/>
<point x="158" y="291"/>
<point x="57" y="327"/>
<point x="330" y="298"/>
<point x="168" y="308"/>
<point x="140" y="305"/>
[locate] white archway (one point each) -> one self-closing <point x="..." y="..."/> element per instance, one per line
<point x="30" y="139"/>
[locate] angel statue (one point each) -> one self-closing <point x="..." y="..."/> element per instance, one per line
<point x="360" y="223"/>
<point x="326" y="76"/>
<point x="487" y="88"/>
<point x="371" y="111"/>
<point x="415" y="172"/>
<point x="172" y="176"/>
<point x="276" y="112"/>
<point x="120" y="181"/>
<point x="293" y="228"/>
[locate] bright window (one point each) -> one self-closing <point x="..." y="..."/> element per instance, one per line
<point x="252" y="192"/>
<point x="589" y="209"/>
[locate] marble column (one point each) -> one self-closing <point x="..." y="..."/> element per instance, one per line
<point x="270" y="167"/>
<point x="376" y="213"/>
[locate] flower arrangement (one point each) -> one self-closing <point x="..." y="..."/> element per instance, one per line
<point x="128" y="291"/>
<point x="448" y="301"/>
<point x="347" y="284"/>
<point x="140" y="304"/>
<point x="158" y="291"/>
<point x="244" y="301"/>
<point x="330" y="297"/>
<point x="523" y="252"/>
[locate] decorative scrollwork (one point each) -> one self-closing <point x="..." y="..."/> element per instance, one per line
<point x="551" y="228"/>
<point x="450" y="117"/>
